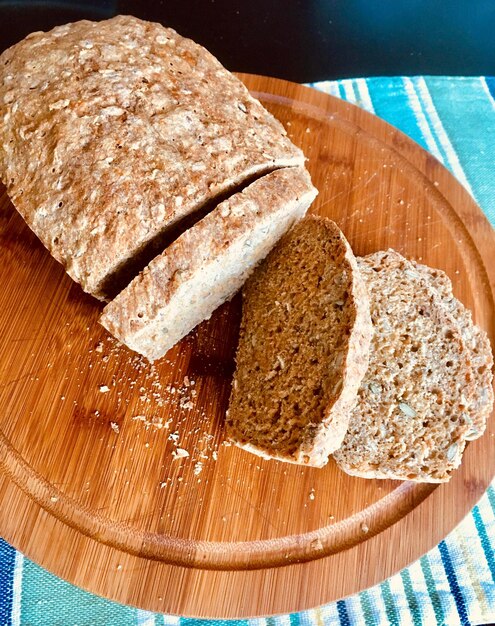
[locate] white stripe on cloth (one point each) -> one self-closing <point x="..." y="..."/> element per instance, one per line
<point x="355" y="610"/>
<point x="282" y="620"/>
<point x="421" y="593"/>
<point x="17" y="589"/>
<point x="400" y="600"/>
<point x="421" y="119"/>
<point x="170" y="619"/>
<point x="364" y="95"/>
<point x="144" y="618"/>
<point x="350" y="96"/>
<point x="328" y="86"/>
<point x="257" y="621"/>
<point x="377" y="603"/>
<point x="443" y="588"/>
<point x="328" y="614"/>
<point x="484" y="86"/>
<point x="438" y="128"/>
<point x="474" y="574"/>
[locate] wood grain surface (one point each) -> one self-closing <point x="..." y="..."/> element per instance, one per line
<point x="95" y="483"/>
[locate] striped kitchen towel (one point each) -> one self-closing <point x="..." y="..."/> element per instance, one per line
<point x="454" y="584"/>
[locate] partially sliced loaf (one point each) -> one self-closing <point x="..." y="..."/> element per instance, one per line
<point x="477" y="343"/>
<point x="206" y="265"/>
<point x="303" y="348"/>
<point x="412" y="418"/>
<point x="113" y="131"/>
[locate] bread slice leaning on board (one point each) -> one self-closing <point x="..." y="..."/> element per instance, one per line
<point x="113" y="132"/>
<point x="418" y="403"/>
<point x="207" y="264"/>
<point x="303" y="347"/>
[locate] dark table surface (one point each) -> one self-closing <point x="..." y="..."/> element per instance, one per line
<point x="302" y="40"/>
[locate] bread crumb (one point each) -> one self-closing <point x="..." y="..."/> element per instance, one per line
<point x="115" y="427"/>
<point x="180" y="453"/>
<point x="364" y="528"/>
<point x="316" y="544"/>
<point x="198" y="468"/>
<point x="54" y="499"/>
<point x="104" y="388"/>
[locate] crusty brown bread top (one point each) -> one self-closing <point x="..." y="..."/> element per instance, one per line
<point x="112" y="131"/>
<point x="303" y="347"/>
<point x="412" y="419"/>
<point x="477" y="343"/>
<point x="207" y="264"/>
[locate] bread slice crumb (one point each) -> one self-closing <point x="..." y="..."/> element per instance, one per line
<point x="303" y="347"/>
<point x="412" y="419"/>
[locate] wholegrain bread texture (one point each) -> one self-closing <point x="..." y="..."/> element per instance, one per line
<point x="207" y="264"/>
<point x="412" y="419"/>
<point x="112" y="131"/>
<point x="478" y="345"/>
<point x="303" y="347"/>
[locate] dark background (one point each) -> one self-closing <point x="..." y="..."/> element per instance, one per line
<point x="302" y="40"/>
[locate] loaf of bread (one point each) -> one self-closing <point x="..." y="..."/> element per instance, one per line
<point x="112" y="132"/>
<point x="303" y="347"/>
<point x="207" y="264"/>
<point x="415" y="405"/>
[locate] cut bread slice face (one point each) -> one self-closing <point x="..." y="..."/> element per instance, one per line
<point x="207" y="264"/>
<point x="477" y="343"/>
<point x="412" y="419"/>
<point x="112" y="132"/>
<point x="303" y="347"/>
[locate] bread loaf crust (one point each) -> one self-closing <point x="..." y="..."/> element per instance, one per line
<point x="112" y="131"/>
<point x="207" y="264"/>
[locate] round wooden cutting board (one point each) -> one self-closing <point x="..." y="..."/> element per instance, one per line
<point x="113" y="474"/>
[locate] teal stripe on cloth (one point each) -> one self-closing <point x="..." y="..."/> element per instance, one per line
<point x="490" y="492"/>
<point x="411" y="598"/>
<point x="369" y="614"/>
<point x="432" y="591"/>
<point x="7" y="555"/>
<point x="490" y="84"/>
<point x="390" y="607"/>
<point x="453" y="582"/>
<point x="453" y="118"/>
<point x="49" y="601"/>
<point x="473" y="137"/>
<point x="485" y="542"/>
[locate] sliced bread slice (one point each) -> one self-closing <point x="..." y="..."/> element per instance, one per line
<point x="207" y="264"/>
<point x="412" y="418"/>
<point x="113" y="131"/>
<point x="303" y="348"/>
<point x="478" y="344"/>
